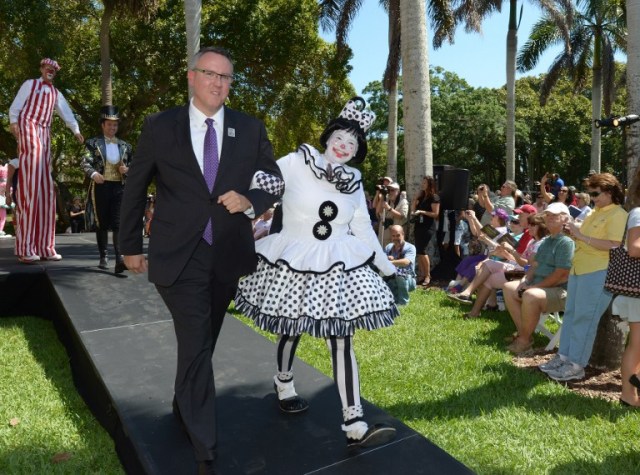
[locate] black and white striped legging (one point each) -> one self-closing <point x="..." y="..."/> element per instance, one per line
<point x="345" y="369"/>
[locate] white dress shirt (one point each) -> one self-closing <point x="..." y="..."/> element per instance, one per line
<point x="61" y="106"/>
<point x="199" y="129"/>
<point x="113" y="153"/>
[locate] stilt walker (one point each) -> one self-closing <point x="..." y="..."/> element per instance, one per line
<point x="30" y="118"/>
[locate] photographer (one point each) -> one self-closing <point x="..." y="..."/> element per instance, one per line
<point x="403" y="256"/>
<point x="504" y="200"/>
<point x="382" y="189"/>
<point x="393" y="210"/>
<point x="562" y="194"/>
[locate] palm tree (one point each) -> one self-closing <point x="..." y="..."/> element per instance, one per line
<point x="140" y="8"/>
<point x="591" y="32"/>
<point x="418" y="149"/>
<point x="192" y="16"/>
<point x="633" y="89"/>
<point x="339" y="15"/>
<point x="390" y="83"/>
<point x="512" y="48"/>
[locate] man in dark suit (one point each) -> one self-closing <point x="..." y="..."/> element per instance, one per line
<point x="201" y="241"/>
<point x="106" y="163"/>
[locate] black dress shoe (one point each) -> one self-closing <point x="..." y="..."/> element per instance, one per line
<point x="293" y="405"/>
<point x="205" y="467"/>
<point x="120" y="267"/>
<point x="377" y="434"/>
<point x="103" y="263"/>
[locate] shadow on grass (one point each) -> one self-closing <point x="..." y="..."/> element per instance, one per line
<point x="90" y="450"/>
<point x="506" y="385"/>
<point x="626" y="462"/>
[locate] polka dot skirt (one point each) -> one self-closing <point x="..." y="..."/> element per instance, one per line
<point x="336" y="302"/>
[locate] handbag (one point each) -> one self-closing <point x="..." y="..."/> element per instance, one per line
<point x="623" y="272"/>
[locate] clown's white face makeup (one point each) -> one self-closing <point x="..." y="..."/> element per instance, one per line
<point x="341" y="147"/>
<point x="48" y="73"/>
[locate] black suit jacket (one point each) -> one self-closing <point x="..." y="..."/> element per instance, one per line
<point x="183" y="202"/>
<point x="95" y="156"/>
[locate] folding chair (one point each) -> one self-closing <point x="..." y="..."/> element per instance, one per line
<point x="554" y="338"/>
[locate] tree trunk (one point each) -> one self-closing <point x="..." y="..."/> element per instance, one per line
<point x="596" y="109"/>
<point x="512" y="47"/>
<point x="418" y="150"/>
<point x="596" y="102"/>
<point x="192" y="17"/>
<point x="633" y="91"/>
<point x="609" y="344"/>
<point x="392" y="134"/>
<point x="105" y="55"/>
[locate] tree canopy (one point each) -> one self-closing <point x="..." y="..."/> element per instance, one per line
<point x="468" y="131"/>
<point x="288" y="76"/>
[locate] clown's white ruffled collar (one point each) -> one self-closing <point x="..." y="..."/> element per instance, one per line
<point x="343" y="178"/>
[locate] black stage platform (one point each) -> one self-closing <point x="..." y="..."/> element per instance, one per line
<point x="120" y="339"/>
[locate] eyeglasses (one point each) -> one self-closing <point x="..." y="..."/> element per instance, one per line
<point x="212" y="75"/>
<point x="564" y="190"/>
<point x="595" y="194"/>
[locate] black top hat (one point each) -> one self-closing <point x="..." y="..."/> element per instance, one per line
<point x="109" y="113"/>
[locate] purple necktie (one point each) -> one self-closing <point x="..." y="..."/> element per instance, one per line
<point x="210" y="165"/>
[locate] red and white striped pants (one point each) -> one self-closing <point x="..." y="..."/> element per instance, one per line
<point x="36" y="198"/>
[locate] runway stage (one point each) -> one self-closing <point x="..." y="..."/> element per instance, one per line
<point x="121" y="344"/>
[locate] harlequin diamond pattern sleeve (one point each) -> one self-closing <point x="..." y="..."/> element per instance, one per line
<point x="274" y="185"/>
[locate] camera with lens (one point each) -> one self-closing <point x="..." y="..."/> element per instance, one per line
<point x="381" y="187"/>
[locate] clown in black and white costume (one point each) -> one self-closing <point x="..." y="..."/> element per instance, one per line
<point x="315" y="275"/>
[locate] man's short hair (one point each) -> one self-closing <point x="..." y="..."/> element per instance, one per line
<point x="210" y="49"/>
<point x="401" y="229"/>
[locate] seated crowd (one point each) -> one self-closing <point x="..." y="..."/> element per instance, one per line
<point x="545" y="254"/>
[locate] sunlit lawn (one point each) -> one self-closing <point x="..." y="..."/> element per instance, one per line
<point x="449" y="379"/>
<point x="45" y="427"/>
<point x="452" y="381"/>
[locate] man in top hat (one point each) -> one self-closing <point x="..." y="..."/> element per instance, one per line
<point x="30" y="117"/>
<point x="106" y="163"/>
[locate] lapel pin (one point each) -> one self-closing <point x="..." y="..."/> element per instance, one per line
<point x="231" y="132"/>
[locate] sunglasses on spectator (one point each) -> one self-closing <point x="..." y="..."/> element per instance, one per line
<point x="565" y="190"/>
<point x="594" y="194"/>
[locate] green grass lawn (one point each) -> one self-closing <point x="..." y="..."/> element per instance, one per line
<point x="45" y="427"/>
<point x="449" y="379"/>
<point x="453" y="381"/>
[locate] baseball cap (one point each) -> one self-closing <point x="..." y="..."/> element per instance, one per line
<point x="525" y="209"/>
<point x="557" y="208"/>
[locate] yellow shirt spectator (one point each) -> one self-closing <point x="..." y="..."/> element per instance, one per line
<point x="601" y="223"/>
